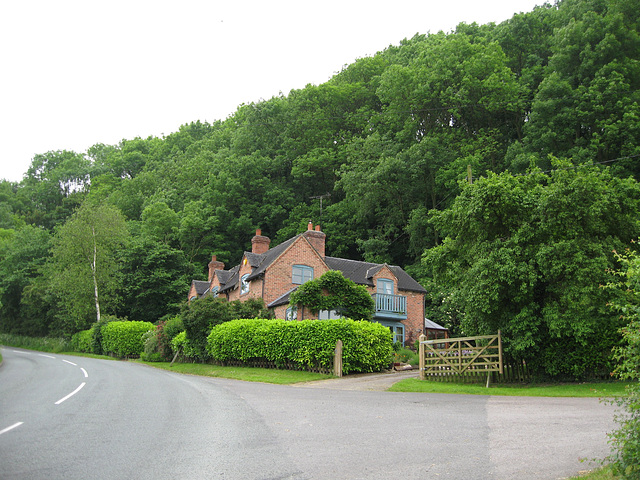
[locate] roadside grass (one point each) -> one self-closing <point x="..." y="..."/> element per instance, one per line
<point x="591" y="389"/>
<point x="248" y="374"/>
<point x="603" y="473"/>
<point x="40" y="344"/>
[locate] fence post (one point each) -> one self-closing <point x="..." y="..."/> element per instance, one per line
<point x="421" y="353"/>
<point x="337" y="359"/>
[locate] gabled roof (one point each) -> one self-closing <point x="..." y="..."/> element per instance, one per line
<point x="362" y="273"/>
<point x="200" y="286"/>
<point x="230" y="278"/>
<point x="268" y="257"/>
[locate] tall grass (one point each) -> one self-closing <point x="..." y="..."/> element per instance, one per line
<point x="41" y="344"/>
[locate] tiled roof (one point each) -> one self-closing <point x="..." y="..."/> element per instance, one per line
<point x="231" y="279"/>
<point x="282" y="299"/>
<point x="362" y="273"/>
<point x="268" y="257"/>
<point x="201" y="286"/>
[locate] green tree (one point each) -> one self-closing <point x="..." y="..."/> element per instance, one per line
<point x="22" y="254"/>
<point x="625" y="300"/>
<point x="85" y="270"/>
<point x="526" y="255"/>
<point x="155" y="280"/>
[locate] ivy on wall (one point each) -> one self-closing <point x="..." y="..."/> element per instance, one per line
<point x="332" y="291"/>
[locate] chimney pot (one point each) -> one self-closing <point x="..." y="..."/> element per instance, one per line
<point x="310" y="226"/>
<point x="318" y="228"/>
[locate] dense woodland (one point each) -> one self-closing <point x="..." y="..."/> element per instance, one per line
<point x="543" y="110"/>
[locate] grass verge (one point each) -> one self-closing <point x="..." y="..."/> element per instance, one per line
<point x="248" y="374"/>
<point x="604" y="473"/>
<point x="597" y="389"/>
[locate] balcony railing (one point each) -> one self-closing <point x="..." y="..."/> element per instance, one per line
<point x="390" y="306"/>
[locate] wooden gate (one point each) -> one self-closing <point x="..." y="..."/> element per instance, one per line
<point x="461" y="356"/>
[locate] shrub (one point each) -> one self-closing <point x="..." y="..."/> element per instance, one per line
<point x="124" y="338"/>
<point x="150" y="352"/>
<point x="309" y="344"/>
<point x="626" y="301"/>
<point x="201" y="315"/>
<point x="165" y="332"/>
<point x="81" y="341"/>
<point x="96" y="333"/>
<point x="180" y="343"/>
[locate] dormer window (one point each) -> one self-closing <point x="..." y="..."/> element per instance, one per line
<point x="214" y="291"/>
<point x="301" y="274"/>
<point x="244" y="284"/>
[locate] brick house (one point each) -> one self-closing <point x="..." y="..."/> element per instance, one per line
<point x="273" y="273"/>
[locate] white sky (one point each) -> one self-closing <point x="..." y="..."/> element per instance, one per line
<point x="74" y="73"/>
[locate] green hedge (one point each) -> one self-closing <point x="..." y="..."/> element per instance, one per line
<point x="367" y="346"/>
<point x="81" y="341"/>
<point x="124" y="338"/>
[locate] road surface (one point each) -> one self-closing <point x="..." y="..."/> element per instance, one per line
<point x="66" y="417"/>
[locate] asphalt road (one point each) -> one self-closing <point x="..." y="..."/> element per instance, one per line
<point x="100" y="419"/>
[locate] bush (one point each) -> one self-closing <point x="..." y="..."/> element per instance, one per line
<point x="406" y="355"/>
<point x="309" y="344"/>
<point x="165" y="333"/>
<point x="150" y="352"/>
<point x="201" y="315"/>
<point x="81" y="341"/>
<point x="626" y="301"/>
<point x="124" y="338"/>
<point x="181" y="344"/>
<point x="96" y="333"/>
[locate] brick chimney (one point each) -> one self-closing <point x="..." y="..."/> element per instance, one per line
<point x="260" y="244"/>
<point x="214" y="265"/>
<point x="316" y="238"/>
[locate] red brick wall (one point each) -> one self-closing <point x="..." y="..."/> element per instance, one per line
<point x="278" y="274"/>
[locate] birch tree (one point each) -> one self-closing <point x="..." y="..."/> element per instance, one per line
<point x="85" y="267"/>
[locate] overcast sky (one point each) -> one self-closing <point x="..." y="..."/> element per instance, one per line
<point x="74" y="73"/>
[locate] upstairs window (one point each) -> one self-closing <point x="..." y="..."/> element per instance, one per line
<point x="214" y="291"/>
<point x="301" y="274"/>
<point x="385" y="286"/>
<point x="244" y="285"/>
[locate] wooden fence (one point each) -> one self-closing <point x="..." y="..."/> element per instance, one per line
<point x="465" y="359"/>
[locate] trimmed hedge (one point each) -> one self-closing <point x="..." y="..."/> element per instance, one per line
<point x="309" y="344"/>
<point x="81" y="341"/>
<point x="124" y="338"/>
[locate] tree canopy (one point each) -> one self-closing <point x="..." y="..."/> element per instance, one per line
<point x="544" y="108"/>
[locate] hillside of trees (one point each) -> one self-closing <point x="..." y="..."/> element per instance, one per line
<point x="543" y="110"/>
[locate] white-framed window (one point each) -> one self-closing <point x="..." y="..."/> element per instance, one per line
<point x="385" y="286"/>
<point x="301" y="274"/>
<point x="292" y="313"/>
<point x="244" y="285"/>
<point x="328" y="315"/>
<point x="214" y="291"/>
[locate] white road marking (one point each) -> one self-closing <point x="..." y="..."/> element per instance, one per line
<point x="70" y="363"/>
<point x="85" y="372"/>
<point x="18" y="351"/>
<point x="43" y="355"/>
<point x="71" y="394"/>
<point x="11" y="427"/>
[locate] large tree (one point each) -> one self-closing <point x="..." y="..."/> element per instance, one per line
<point x="526" y="254"/>
<point x="84" y="270"/>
